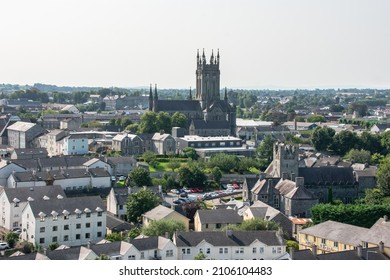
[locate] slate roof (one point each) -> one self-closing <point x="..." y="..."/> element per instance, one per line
<point x="76" y="161"/>
<point x="179" y="105"/>
<point x="52" y="162"/>
<point x="21" y="126"/>
<point x="250" y="182"/>
<point x="121" y="195"/>
<point x="30" y="151"/>
<point x="73" y="253"/>
<point x="115" y="224"/>
<point x="330" y="174"/>
<point x="27" y="163"/>
<point x="159" y="212"/>
<point x="36" y="193"/>
<point x="222" y="216"/>
<point x="340" y="232"/>
<point x="326" y="161"/>
<point x="221" y="238"/>
<point x="120" y="160"/>
<point x="111" y="248"/>
<point x="303" y="255"/>
<point x="144" y="243"/>
<point x="380" y="231"/>
<point x="368" y="172"/>
<point x="98" y="172"/>
<point x="70" y="204"/>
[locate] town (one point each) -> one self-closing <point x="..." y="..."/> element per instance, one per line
<point x="204" y="173"/>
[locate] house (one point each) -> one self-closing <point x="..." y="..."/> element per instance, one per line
<point x="379" y="128"/>
<point x="300" y="126"/>
<point x="70" y="221"/>
<point x="6" y="169"/>
<point x="121" y="165"/>
<point x="155" y="248"/>
<point x="70" y="124"/>
<point x="116" y="202"/>
<point x="210" y="220"/>
<point x="55" y="142"/>
<point x="379" y="234"/>
<point x="15" y="199"/>
<point x="118" y="250"/>
<point x="75" y="144"/>
<point x="332" y="236"/>
<point x="29" y="153"/>
<point x="78" y="253"/>
<point x="230" y="245"/>
<point x="163" y="143"/>
<point x="5" y="122"/>
<point x="97" y="163"/>
<point x="260" y="210"/>
<point x="127" y="144"/>
<point x="22" y="134"/>
<point x="198" y="142"/>
<point x="71" y="108"/>
<point x="161" y="212"/>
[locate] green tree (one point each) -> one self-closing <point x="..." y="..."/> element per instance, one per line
<point x="191" y="177"/>
<point x="316" y="118"/>
<point x="179" y="120"/>
<point x="200" y="256"/>
<point x="133" y="128"/>
<point x="115" y="236"/>
<point x="265" y="149"/>
<point x="225" y="162"/>
<point x="53" y="246"/>
<point x="216" y="173"/>
<point x="360" y="107"/>
<point x="103" y="257"/>
<point x="161" y="227"/>
<point x="257" y="224"/>
<point x="149" y="157"/>
<point x="373" y="196"/>
<point x="370" y="142"/>
<point x="190" y="153"/>
<point x="134" y="232"/>
<point x="322" y="138"/>
<point x="173" y="164"/>
<point x="385" y="141"/>
<point x="139" y="203"/>
<point x="11" y="238"/>
<point x="246" y="163"/>
<point x="359" y="156"/>
<point x="292" y="244"/>
<point x="139" y="177"/>
<point x="148" y="123"/>
<point x="345" y="141"/>
<point x="164" y="122"/>
<point x="383" y="176"/>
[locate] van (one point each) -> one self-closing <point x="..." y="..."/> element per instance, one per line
<point x="3" y="245"/>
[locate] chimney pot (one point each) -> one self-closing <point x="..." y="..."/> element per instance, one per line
<point x="381" y="247"/>
<point x="359" y="249"/>
<point x="314" y="250"/>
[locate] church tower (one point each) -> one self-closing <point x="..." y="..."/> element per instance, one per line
<point x="207" y="79"/>
<point x="285" y="160"/>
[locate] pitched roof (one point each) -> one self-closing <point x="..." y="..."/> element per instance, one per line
<point x="111" y="248"/>
<point x="202" y="124"/>
<point x="27" y="163"/>
<point x="30" y="151"/>
<point x="21" y="126"/>
<point x="160" y="136"/>
<point x="116" y="224"/>
<point x="159" y="212"/>
<point x="340" y="232"/>
<point x="73" y="253"/>
<point x="222" y="216"/>
<point x="250" y="182"/>
<point x="178" y="105"/>
<point x="36" y="193"/>
<point x="324" y="174"/>
<point x="144" y="243"/>
<point x="228" y="238"/>
<point x="380" y="231"/>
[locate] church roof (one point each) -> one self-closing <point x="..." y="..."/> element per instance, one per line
<point x="202" y="124"/>
<point x="225" y="107"/>
<point x="178" y="105"/>
<point x="330" y="174"/>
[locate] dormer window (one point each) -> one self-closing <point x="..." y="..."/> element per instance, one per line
<point x="99" y="211"/>
<point x="16" y="202"/>
<point x="78" y="213"/>
<point x="55" y="215"/>
<point x="42" y="216"/>
<point x="66" y="214"/>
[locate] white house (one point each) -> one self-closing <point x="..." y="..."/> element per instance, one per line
<point x="97" y="163"/>
<point x="118" y="250"/>
<point x="230" y="245"/>
<point x="163" y="143"/>
<point x="76" y="144"/>
<point x="71" y="108"/>
<point x="155" y="248"/>
<point x="161" y="212"/>
<point x="69" y="221"/>
<point x="116" y="202"/>
<point x="13" y="201"/>
<point x="6" y="169"/>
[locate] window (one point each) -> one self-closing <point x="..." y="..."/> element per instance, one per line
<point x="88" y="215"/>
<point x="206" y="225"/>
<point x="188" y="251"/>
<point x="132" y="257"/>
<point x="99" y="214"/>
<point x="225" y="250"/>
<point x="66" y="227"/>
<point x="169" y="253"/>
<point x="365" y="245"/>
<point x="66" y="217"/>
<point x="254" y="250"/>
<point x="208" y="250"/>
<point x="87" y="235"/>
<point x="273" y="250"/>
<point x="279" y="250"/>
<point x="42" y="229"/>
<point x="99" y="224"/>
<point x="222" y="144"/>
<point x="77" y="236"/>
<point x="335" y="244"/>
<point x="78" y="225"/>
<point x="221" y="250"/>
<point x="143" y="255"/>
<point x="55" y="228"/>
<point x="42" y="218"/>
<point x="88" y="225"/>
<point x="78" y="215"/>
<point x="200" y="250"/>
<point x="41" y="240"/>
<point x="323" y="241"/>
<point x="99" y="234"/>
<point x="54" y="239"/>
<point x="261" y="250"/>
<point x="218" y="225"/>
<point x="276" y="201"/>
<point x="66" y="237"/>
<point x="120" y="207"/>
<point x="239" y="250"/>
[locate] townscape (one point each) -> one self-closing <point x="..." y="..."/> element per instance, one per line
<point x="204" y="173"/>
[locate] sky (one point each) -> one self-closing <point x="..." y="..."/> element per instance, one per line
<point x="276" y="44"/>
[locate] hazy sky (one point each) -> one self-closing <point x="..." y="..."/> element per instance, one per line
<point x="262" y="43"/>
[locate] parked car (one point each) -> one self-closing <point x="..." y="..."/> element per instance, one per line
<point x="17" y="230"/>
<point x="3" y="245"/>
<point x="122" y="178"/>
<point x="236" y="187"/>
<point x="196" y="190"/>
<point x="183" y="194"/>
<point x="177" y="201"/>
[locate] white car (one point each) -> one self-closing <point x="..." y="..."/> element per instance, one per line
<point x="3" y="246"/>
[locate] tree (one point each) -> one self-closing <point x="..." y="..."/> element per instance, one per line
<point x="139" y="177"/>
<point x="179" y="120"/>
<point x="134" y="232"/>
<point x="200" y="256"/>
<point x="359" y="156"/>
<point x="345" y="141"/>
<point x="190" y="153"/>
<point x="149" y="157"/>
<point x="359" y="107"/>
<point x="370" y="142"/>
<point x="373" y="196"/>
<point x="103" y="257"/>
<point x="216" y="173"/>
<point x="114" y="236"/>
<point x="316" y="118"/>
<point x="191" y="177"/>
<point x="11" y="238"/>
<point x="246" y="163"/>
<point x="161" y="227"/>
<point x="225" y="162"/>
<point x="257" y="224"/>
<point x="173" y="164"/>
<point x="322" y="138"/>
<point x="383" y="176"/>
<point x="385" y="141"/>
<point x="53" y="246"/>
<point x="164" y="122"/>
<point x="148" y="122"/>
<point x="133" y="128"/>
<point x="265" y="149"/>
<point x="139" y="203"/>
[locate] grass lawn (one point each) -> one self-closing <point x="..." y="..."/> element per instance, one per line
<point x="160" y="167"/>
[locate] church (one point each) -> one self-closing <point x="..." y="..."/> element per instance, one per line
<point x="207" y="113"/>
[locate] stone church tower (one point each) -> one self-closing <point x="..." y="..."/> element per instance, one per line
<point x="285" y="160"/>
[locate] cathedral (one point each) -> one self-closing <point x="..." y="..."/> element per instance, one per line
<point x="208" y="115"/>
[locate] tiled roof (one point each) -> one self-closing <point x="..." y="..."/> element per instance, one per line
<point x="223" y="216"/>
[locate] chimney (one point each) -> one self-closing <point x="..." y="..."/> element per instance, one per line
<point x="292" y="253"/>
<point x="89" y="244"/>
<point x="262" y="176"/>
<point x="292" y="176"/>
<point x="359" y="249"/>
<point x="381" y="247"/>
<point x="284" y="176"/>
<point x="314" y="250"/>
<point x="45" y="251"/>
<point x="299" y="182"/>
